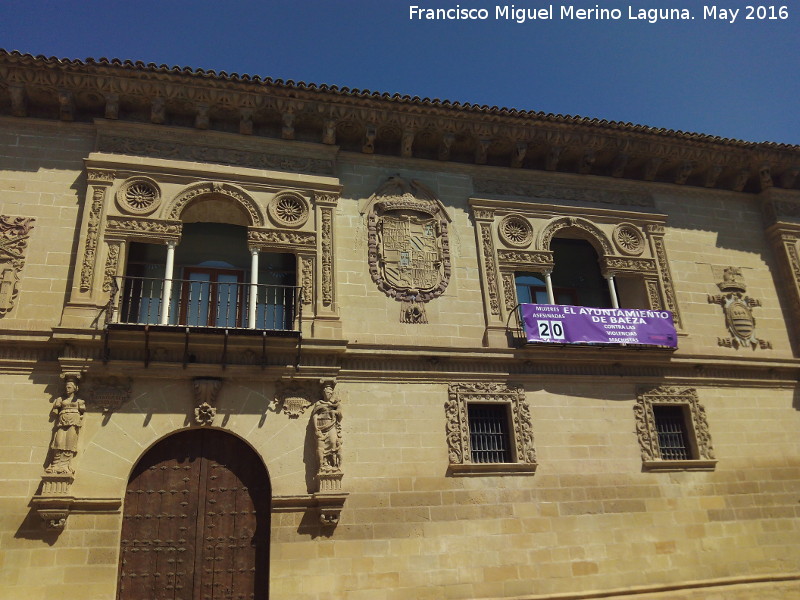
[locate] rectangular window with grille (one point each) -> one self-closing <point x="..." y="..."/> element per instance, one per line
<point x="673" y="435"/>
<point x="489" y="433"/>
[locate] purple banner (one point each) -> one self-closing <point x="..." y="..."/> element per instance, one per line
<point x="564" y="324"/>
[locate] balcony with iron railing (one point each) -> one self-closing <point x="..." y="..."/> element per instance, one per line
<point x="217" y="303"/>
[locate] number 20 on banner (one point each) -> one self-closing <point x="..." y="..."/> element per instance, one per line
<point x="550" y="330"/>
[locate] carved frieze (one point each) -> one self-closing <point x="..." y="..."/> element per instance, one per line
<point x="558" y="192"/>
<point x="738" y="309"/>
<point x="628" y="265"/>
<point x="525" y="259"/>
<point x="14" y="235"/>
<point x="409" y="251"/>
<point x="140" y="227"/>
<point x="210" y="154"/>
<point x="457" y="419"/>
<point x="271" y="238"/>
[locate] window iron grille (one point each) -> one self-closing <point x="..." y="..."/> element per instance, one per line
<point x="489" y="435"/>
<point x="673" y="438"/>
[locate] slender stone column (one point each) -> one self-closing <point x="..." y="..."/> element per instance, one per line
<point x="548" y="282"/>
<point x="166" y="293"/>
<point x="612" y="290"/>
<point x="251" y="315"/>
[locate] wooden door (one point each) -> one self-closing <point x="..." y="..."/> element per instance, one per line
<point x="196" y="521"/>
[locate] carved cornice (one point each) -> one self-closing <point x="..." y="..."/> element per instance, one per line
<point x="366" y="122"/>
<point x="522" y="189"/>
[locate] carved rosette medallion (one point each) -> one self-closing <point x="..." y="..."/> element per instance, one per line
<point x="409" y="252"/>
<point x="515" y="231"/>
<point x="14" y="234"/>
<point x="628" y="239"/>
<point x="738" y="310"/>
<point x="288" y="209"/>
<point x="139" y="196"/>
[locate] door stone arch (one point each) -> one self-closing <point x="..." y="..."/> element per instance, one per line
<point x="196" y="521"/>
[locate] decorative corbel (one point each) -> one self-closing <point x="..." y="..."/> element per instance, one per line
<point x="482" y="151"/>
<point x="369" y="139"/>
<point x="518" y="156"/>
<point x="712" y="175"/>
<point x="66" y="105"/>
<point x="765" y="177"/>
<point x="651" y="168"/>
<point x="158" y="110"/>
<point x="246" y="121"/>
<point x="789" y="176"/>
<point x="444" y="147"/>
<point x="407" y="143"/>
<point x="619" y="164"/>
<point x="683" y="172"/>
<point x="112" y="106"/>
<point x="287" y="129"/>
<point x="201" y="120"/>
<point x="18" y="105"/>
<point x="741" y="179"/>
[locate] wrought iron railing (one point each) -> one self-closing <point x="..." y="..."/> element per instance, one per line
<point x="209" y="304"/>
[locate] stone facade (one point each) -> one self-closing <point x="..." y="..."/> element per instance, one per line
<point x="357" y="403"/>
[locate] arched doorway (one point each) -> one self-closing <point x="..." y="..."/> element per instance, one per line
<point x="196" y="521"/>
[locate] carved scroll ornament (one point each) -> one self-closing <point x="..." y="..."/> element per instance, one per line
<point x="14" y="234"/>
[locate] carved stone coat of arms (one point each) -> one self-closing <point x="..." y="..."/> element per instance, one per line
<point x="409" y="253"/>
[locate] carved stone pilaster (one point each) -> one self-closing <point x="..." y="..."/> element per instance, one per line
<point x="111" y="269"/>
<point x="14" y="234"/>
<point x="490" y="267"/>
<point x="326" y="256"/>
<point x="655" y="234"/>
<point x="98" y="194"/>
<point x="509" y="291"/>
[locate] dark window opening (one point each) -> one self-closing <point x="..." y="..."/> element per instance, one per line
<point x="673" y="435"/>
<point x="577" y="270"/>
<point x="489" y="433"/>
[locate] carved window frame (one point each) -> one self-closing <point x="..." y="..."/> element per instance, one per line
<point x="110" y="226"/>
<point x="698" y="434"/>
<point x="628" y="243"/>
<point x="460" y="396"/>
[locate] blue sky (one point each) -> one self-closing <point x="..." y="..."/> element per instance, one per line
<point x="739" y="80"/>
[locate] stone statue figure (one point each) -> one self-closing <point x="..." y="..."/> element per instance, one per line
<point x="68" y="411"/>
<point x="327" y="418"/>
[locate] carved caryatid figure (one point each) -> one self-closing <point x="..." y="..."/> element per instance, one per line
<point x="327" y="421"/>
<point x="68" y="411"/>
